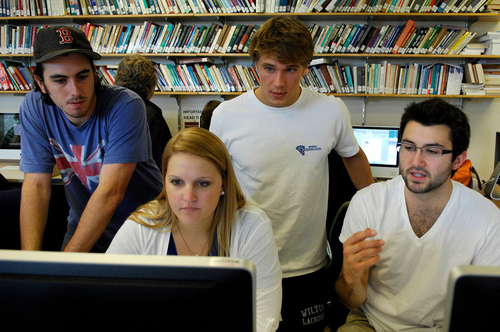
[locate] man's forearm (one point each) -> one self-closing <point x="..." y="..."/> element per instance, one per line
<point x="94" y="220"/>
<point x="352" y="293"/>
<point x="359" y="170"/>
<point x="35" y="198"/>
<point x="113" y="182"/>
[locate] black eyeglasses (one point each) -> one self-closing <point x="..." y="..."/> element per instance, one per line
<point x="428" y="151"/>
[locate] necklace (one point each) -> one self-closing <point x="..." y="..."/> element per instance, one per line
<point x="187" y="246"/>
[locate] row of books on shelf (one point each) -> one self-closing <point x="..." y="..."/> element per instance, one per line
<point x="393" y="6"/>
<point x="482" y="78"/>
<point x="197" y="77"/>
<point x="155" y="38"/>
<point x="15" y="76"/>
<point x="148" y="37"/>
<point x="22" y="8"/>
<point x="17" y="39"/>
<point x="325" y="76"/>
<point x="385" y="78"/>
<point x="17" y="8"/>
<point x="386" y="39"/>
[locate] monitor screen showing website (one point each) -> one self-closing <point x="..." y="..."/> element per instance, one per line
<point x="379" y="144"/>
<point x="97" y="292"/>
<point x="10" y="136"/>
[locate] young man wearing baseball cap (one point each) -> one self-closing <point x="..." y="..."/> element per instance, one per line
<point x="98" y="137"/>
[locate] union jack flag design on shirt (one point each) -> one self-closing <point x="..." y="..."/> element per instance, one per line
<point x="73" y="163"/>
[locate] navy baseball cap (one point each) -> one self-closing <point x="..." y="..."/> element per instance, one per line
<point x="54" y="41"/>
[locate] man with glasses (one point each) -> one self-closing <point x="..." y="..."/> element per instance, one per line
<point x="402" y="237"/>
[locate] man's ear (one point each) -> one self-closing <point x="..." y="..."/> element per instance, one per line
<point x="459" y="160"/>
<point x="306" y="70"/>
<point x="40" y="83"/>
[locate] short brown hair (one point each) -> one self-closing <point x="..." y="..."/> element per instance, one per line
<point x="137" y="73"/>
<point x="285" y="38"/>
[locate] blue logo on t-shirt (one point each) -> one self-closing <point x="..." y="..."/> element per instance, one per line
<point x="302" y="149"/>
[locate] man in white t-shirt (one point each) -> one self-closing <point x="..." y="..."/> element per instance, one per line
<point x="402" y="237"/>
<point x="279" y="137"/>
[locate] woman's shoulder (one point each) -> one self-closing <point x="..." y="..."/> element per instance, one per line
<point x="251" y="217"/>
<point x="253" y="212"/>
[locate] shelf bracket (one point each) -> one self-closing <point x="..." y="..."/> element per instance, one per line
<point x="363" y="110"/>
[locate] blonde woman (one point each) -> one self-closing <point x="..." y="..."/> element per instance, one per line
<point x="201" y="211"/>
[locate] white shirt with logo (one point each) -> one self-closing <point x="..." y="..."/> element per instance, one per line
<point x="280" y="159"/>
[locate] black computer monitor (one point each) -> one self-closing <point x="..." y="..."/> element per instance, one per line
<point x="97" y="292"/>
<point x="379" y="143"/>
<point x="472" y="299"/>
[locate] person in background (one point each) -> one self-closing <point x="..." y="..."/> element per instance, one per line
<point x="138" y="73"/>
<point x="402" y="237"/>
<point x="206" y="114"/>
<point x="98" y="137"/>
<point x="201" y="211"/>
<point x="279" y="137"/>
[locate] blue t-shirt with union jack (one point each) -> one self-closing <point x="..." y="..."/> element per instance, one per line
<point x="116" y="132"/>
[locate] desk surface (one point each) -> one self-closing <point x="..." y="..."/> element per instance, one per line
<point x="10" y="170"/>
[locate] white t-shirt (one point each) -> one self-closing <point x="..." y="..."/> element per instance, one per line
<point x="407" y="287"/>
<point x="280" y="159"/>
<point x="251" y="238"/>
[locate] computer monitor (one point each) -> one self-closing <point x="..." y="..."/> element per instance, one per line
<point x="10" y="136"/>
<point x="380" y="146"/>
<point x="472" y="299"/>
<point x="56" y="290"/>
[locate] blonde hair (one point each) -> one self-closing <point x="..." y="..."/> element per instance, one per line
<point x="199" y="142"/>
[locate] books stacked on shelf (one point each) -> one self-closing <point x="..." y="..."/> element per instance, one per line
<point x="491" y="40"/>
<point x="476" y="89"/>
<point x="170" y="38"/>
<point x="474" y="49"/>
<point x="474" y="79"/>
<point x="205" y="77"/>
<point x="491" y="74"/>
<point x="397" y="39"/>
<point x="17" y="39"/>
<point x="326" y="75"/>
<point x="21" y="8"/>
<point x="15" y="76"/>
<point x="474" y="73"/>
<point x="107" y="73"/>
<point x="376" y="6"/>
<point x="494" y="5"/>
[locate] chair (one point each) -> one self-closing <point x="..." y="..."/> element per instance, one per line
<point x="338" y="312"/>
<point x="10" y="204"/>
<point x="341" y="190"/>
<point x="10" y="199"/>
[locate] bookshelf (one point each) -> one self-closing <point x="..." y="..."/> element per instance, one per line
<point x="230" y="18"/>
<point x="383" y="108"/>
